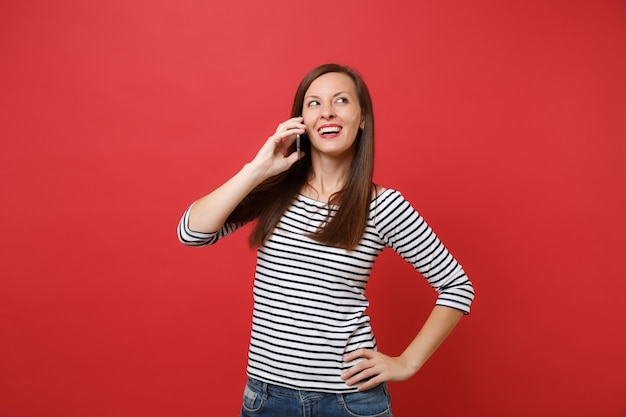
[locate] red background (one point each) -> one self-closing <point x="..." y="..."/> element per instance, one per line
<point x="504" y="123"/>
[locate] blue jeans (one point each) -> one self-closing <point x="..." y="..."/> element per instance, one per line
<point x="264" y="400"/>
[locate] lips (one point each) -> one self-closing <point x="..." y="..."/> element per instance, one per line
<point x="329" y="131"/>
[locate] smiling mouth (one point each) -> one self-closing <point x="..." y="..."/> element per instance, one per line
<point x="329" y="131"/>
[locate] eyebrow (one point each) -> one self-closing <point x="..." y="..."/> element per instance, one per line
<point x="334" y="95"/>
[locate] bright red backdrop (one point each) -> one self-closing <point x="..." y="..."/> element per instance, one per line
<point x="503" y="122"/>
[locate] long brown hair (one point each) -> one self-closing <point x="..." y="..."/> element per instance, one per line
<point x="269" y="200"/>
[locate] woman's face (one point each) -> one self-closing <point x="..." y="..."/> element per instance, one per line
<point x="332" y="114"/>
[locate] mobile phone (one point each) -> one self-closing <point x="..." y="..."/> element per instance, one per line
<point x="298" y="146"/>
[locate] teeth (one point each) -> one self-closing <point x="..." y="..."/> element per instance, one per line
<point x="331" y="129"/>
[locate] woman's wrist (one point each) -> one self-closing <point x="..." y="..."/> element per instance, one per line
<point x="254" y="173"/>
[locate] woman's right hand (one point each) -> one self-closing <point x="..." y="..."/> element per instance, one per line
<point x="209" y="213"/>
<point x="272" y="158"/>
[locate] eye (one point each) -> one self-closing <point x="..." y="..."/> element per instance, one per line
<point x="341" y="100"/>
<point x="313" y="103"/>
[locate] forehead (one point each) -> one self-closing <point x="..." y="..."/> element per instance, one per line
<point x="331" y="83"/>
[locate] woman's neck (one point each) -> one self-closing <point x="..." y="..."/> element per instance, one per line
<point x="328" y="176"/>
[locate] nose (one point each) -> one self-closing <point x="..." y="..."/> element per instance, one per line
<point x="328" y="112"/>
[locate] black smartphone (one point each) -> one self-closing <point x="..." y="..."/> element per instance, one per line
<point x="298" y="146"/>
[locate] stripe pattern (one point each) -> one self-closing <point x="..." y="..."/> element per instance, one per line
<point x="309" y="298"/>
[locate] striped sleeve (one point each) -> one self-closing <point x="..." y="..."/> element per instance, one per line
<point x="190" y="237"/>
<point x="403" y="229"/>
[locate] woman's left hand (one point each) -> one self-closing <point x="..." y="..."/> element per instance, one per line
<point x="375" y="368"/>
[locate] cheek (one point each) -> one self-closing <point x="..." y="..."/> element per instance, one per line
<point x="308" y="125"/>
<point x="355" y="115"/>
<point x="308" y="117"/>
<point x="357" y="120"/>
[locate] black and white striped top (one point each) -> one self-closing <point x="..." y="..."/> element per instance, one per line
<point x="309" y="298"/>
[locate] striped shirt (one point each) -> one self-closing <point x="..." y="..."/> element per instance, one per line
<point x="309" y="298"/>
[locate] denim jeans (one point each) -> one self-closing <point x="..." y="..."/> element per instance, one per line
<point x="264" y="400"/>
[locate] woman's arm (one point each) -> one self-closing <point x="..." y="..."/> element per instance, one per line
<point x="210" y="212"/>
<point x="404" y="230"/>
<point x="380" y="367"/>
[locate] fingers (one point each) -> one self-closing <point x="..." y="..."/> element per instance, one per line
<point x="274" y="157"/>
<point x="374" y="368"/>
<point x="358" y="372"/>
<point x="371" y="383"/>
<point x="368" y="376"/>
<point x="291" y="159"/>
<point x="285" y="136"/>
<point x="359" y="353"/>
<point x="294" y="122"/>
<point x="367" y="368"/>
<point x="286" y="132"/>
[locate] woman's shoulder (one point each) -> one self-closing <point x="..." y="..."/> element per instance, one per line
<point x="379" y="192"/>
<point x="386" y="207"/>
<point x="386" y="199"/>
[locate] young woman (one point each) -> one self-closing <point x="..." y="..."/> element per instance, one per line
<point x="321" y="223"/>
